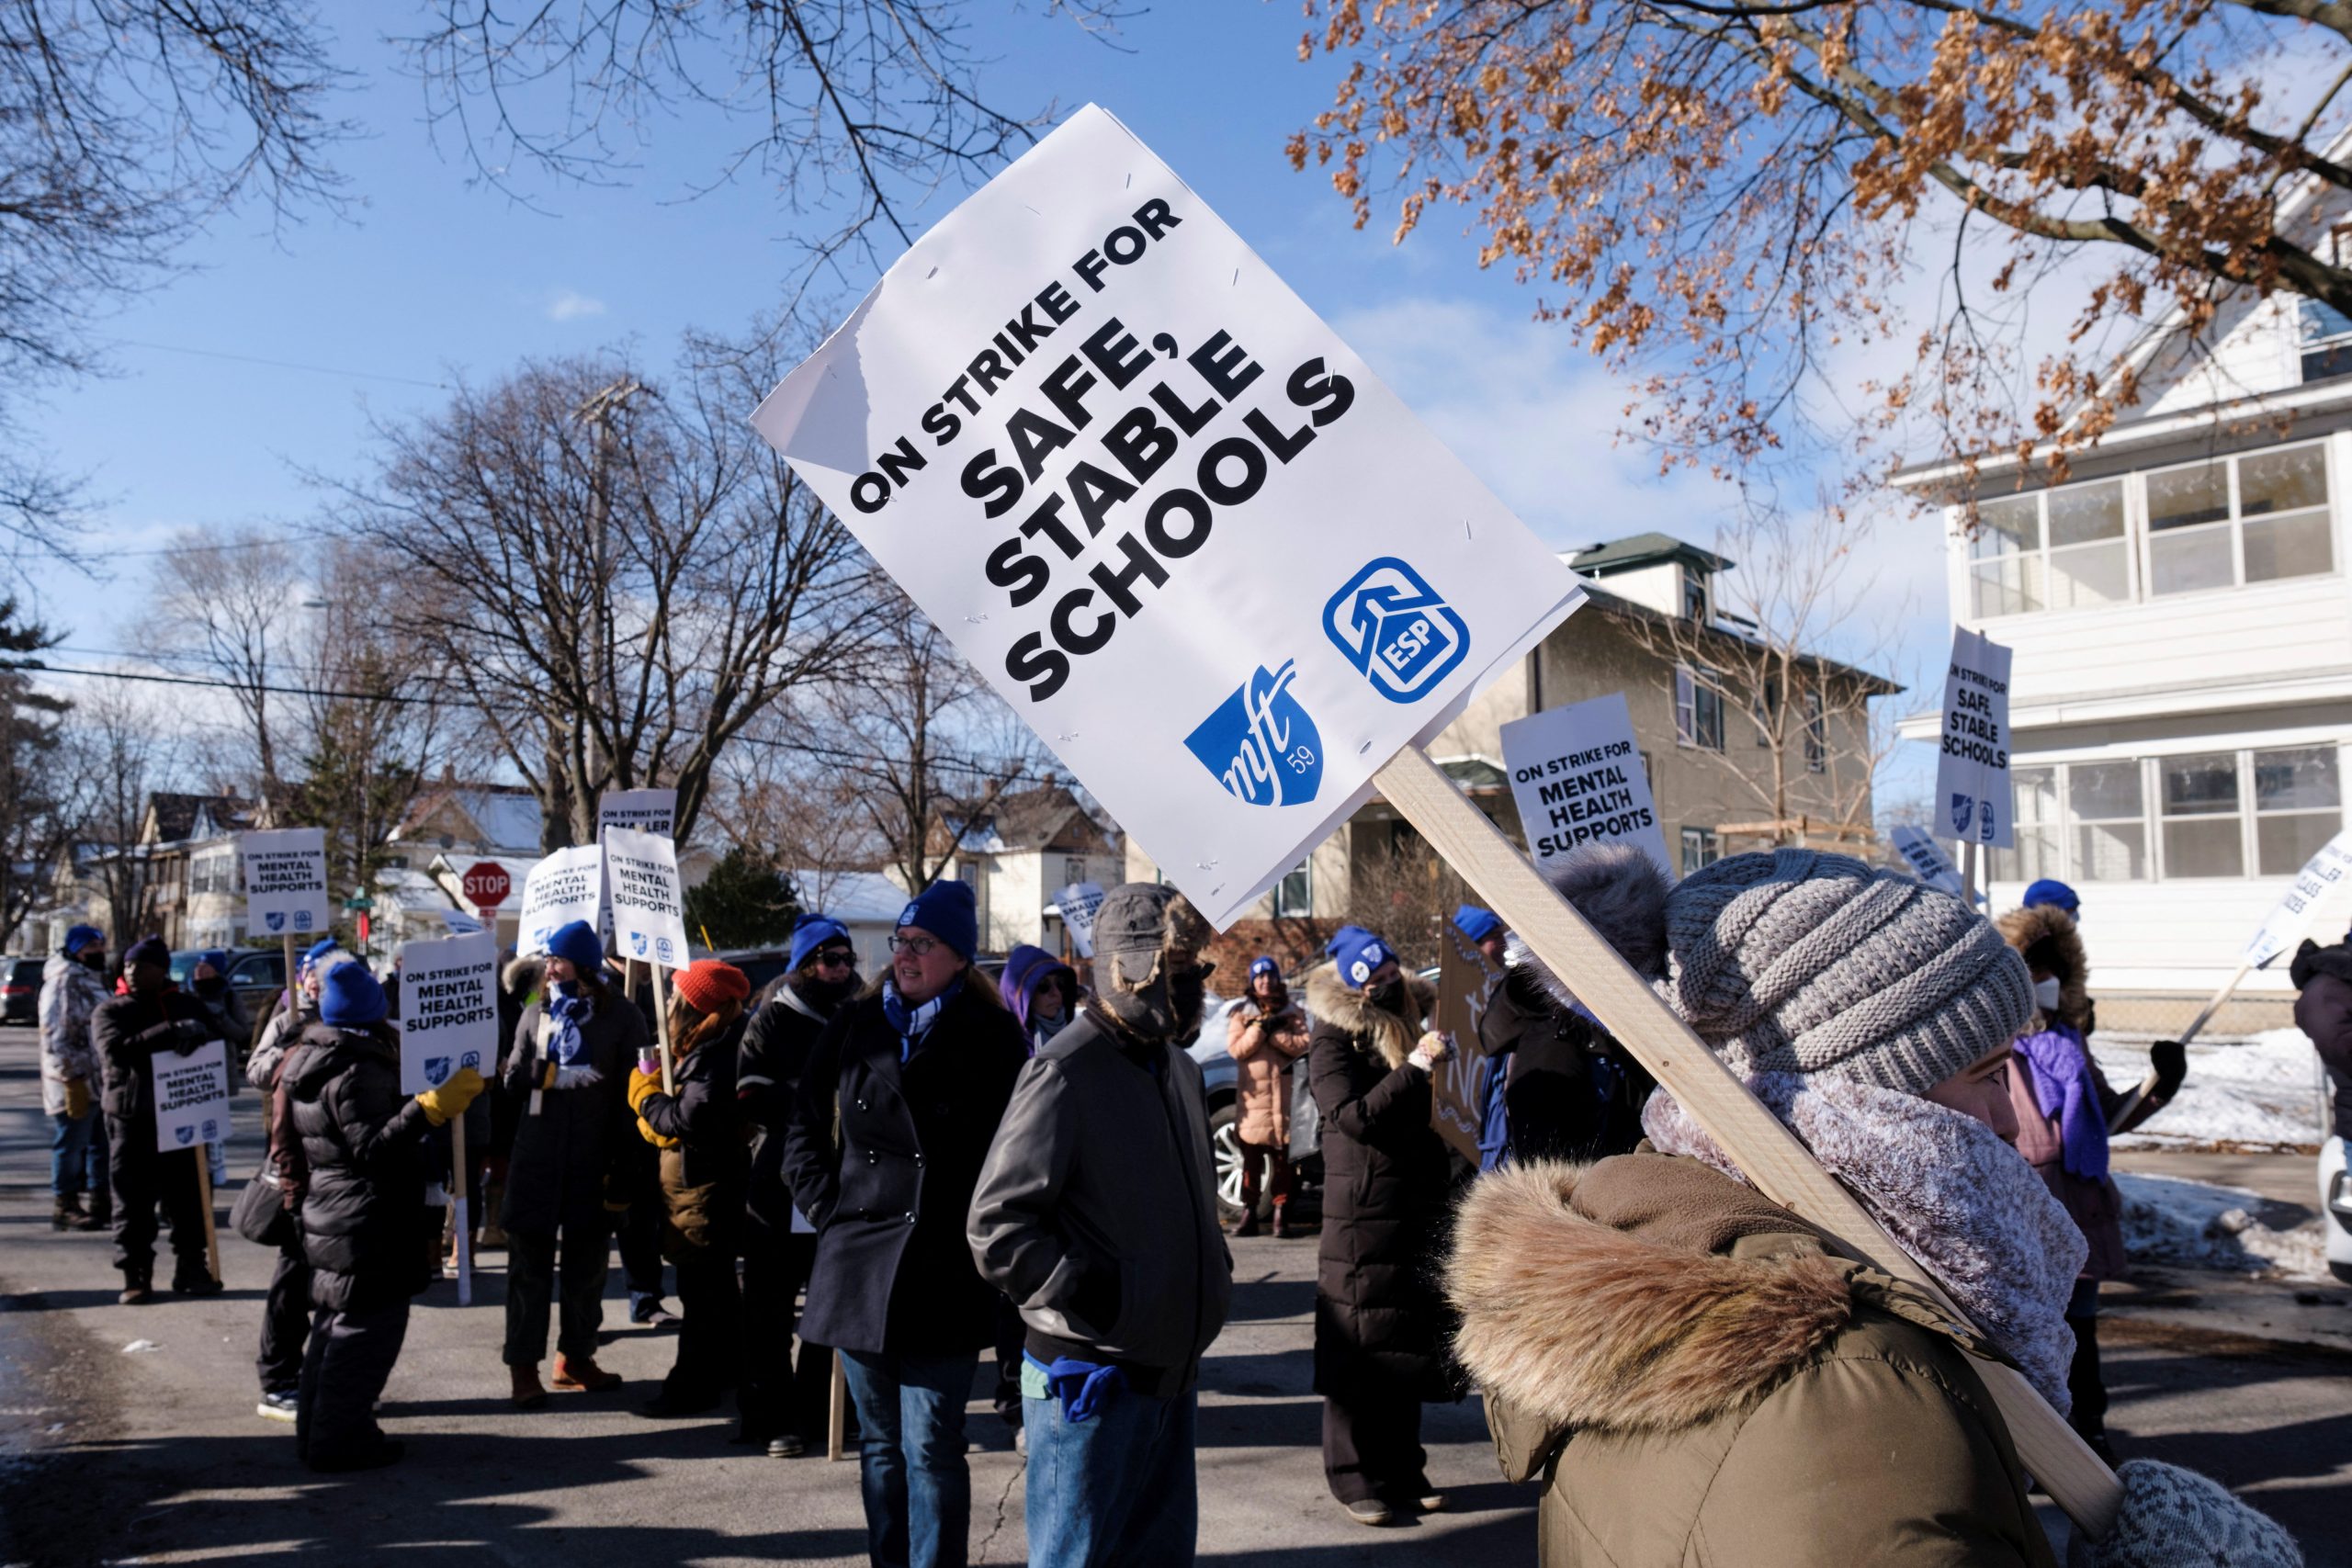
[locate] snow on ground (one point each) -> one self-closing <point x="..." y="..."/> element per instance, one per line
<point x="2198" y="1225"/>
<point x="2259" y="1093"/>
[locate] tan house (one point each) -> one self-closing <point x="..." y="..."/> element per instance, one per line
<point x="1017" y="853"/>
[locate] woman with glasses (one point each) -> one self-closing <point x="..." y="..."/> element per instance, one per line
<point x="895" y="1112"/>
<point x="783" y="1405"/>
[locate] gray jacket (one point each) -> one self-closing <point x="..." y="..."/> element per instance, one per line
<point x="1096" y="1212"/>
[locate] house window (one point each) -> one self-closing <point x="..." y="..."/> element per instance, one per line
<point x="2298" y="807"/>
<point x="1817" y="735"/>
<point x="1073" y="872"/>
<point x="1767" y="708"/>
<point x="1695" y="595"/>
<point x="2059" y="549"/>
<point x="1700" y="847"/>
<point x="2260" y="518"/>
<point x="2034" y="794"/>
<point x="2204" y="834"/>
<point x="2327" y="335"/>
<point x="1294" y="893"/>
<point x="1697" y="709"/>
<point x="2111" y="839"/>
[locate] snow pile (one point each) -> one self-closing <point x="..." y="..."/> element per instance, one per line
<point x="2260" y="1093"/>
<point x="2196" y="1224"/>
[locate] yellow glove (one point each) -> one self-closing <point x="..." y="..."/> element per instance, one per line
<point x="642" y="1085"/>
<point x="451" y="1097"/>
<point x="77" y="1099"/>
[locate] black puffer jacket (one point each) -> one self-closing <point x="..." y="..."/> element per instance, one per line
<point x="776" y="1045"/>
<point x="127" y="1032"/>
<point x="1573" y="1093"/>
<point x="2324" y="1012"/>
<point x="563" y="1155"/>
<point x="1379" y="1318"/>
<point x="893" y="1273"/>
<point x="363" y="1215"/>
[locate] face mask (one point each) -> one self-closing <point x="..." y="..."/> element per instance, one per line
<point x="212" y="988"/>
<point x="2046" y="993"/>
<point x="826" y="995"/>
<point x="1389" y="997"/>
<point x="1186" y="991"/>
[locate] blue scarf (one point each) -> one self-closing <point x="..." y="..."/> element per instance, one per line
<point x="913" y="1024"/>
<point x="2063" y="1086"/>
<point x="568" y="1004"/>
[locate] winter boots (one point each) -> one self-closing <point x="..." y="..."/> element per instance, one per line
<point x="138" y="1286"/>
<point x="65" y="1213"/>
<point x="528" y="1393"/>
<point x="102" y="1213"/>
<point x="583" y="1376"/>
<point x="1282" y="1231"/>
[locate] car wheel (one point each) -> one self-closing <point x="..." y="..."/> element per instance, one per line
<point x="1225" y="1149"/>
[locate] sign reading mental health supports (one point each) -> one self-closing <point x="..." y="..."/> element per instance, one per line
<point x="1926" y="859"/>
<point x="644" y="810"/>
<point x="285" y="881"/>
<point x="448" y="1009"/>
<point x="2285" y="926"/>
<point x="567" y="885"/>
<point x="192" y="1097"/>
<point x="642" y="880"/>
<point x="1577" y="775"/>
<point x="1208" y="557"/>
<point x="1973" y="802"/>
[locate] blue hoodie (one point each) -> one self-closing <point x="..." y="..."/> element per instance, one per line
<point x="1025" y="969"/>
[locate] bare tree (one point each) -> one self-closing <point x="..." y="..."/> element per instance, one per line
<point x="1803" y="741"/>
<point x="619" y="576"/>
<point x="127" y="755"/>
<point x="797" y="802"/>
<point x="1401" y="887"/>
<point x="231" y="606"/>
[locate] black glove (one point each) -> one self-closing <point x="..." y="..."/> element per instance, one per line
<point x="2170" y="1060"/>
<point x="190" y="1032"/>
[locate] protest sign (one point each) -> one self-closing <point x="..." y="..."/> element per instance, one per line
<point x="641" y="810"/>
<point x="1577" y="775"/>
<point x="1926" y="859"/>
<point x="448" y="1009"/>
<point x="1458" y="1085"/>
<point x="192" y="1097"/>
<point x="567" y="885"/>
<point x="2285" y="925"/>
<point x="1972" y="768"/>
<point x="1209" y="558"/>
<point x="642" y="879"/>
<point x="285" y="881"/>
<point x="1078" y="902"/>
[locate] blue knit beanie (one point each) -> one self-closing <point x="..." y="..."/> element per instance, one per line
<point x="349" y="997"/>
<point x="577" y="945"/>
<point x="1345" y="936"/>
<point x="79" y="937"/>
<point x="949" y="911"/>
<point x="810" y="933"/>
<point x="1264" y="964"/>
<point x="2050" y="890"/>
<point x="319" y="949"/>
<point x="217" y="958"/>
<point x="1359" y="954"/>
<point x="1475" y="923"/>
<point x="147" y="950"/>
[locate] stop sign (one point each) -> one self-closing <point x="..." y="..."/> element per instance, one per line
<point x="486" y="886"/>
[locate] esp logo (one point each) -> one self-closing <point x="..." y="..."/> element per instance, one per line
<point x="1396" y="630"/>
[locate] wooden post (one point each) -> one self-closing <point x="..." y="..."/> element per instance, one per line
<point x="1968" y="873"/>
<point x="293" y="996"/>
<point x="1775" y="1162"/>
<point x="662" y="1025"/>
<point x="203" y="1152"/>
<point x="837" y="1418"/>
<point x="460" y="1188"/>
<point x="2132" y="1101"/>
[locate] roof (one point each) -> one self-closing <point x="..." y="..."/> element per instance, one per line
<point x="1475" y="775"/>
<point x="1626" y="609"/>
<point x="175" y="814"/>
<point x="1032" y="819"/>
<point x="505" y="816"/>
<point x="853" y="898"/>
<point x="1644" y="549"/>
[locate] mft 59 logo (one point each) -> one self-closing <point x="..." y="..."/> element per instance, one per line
<point x="1395" y="629"/>
<point x="1260" y="743"/>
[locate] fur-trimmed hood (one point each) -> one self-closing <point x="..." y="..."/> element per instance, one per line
<point x="2037" y="923"/>
<point x="1373" y="1028"/>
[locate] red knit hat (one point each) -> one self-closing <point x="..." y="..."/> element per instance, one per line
<point x="706" y="984"/>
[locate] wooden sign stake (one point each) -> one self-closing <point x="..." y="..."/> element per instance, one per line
<point x="203" y="1152"/>
<point x="661" y="1024"/>
<point x="461" y="1186"/>
<point x="837" y="1418"/>
<point x="1780" y="1167"/>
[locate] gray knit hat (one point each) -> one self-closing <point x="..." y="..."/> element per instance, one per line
<point x="1800" y="961"/>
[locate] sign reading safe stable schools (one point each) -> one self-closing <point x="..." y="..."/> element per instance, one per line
<point x="1197" y="545"/>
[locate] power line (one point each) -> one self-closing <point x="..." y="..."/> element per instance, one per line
<point x="293" y="534"/>
<point x="283" y="364"/>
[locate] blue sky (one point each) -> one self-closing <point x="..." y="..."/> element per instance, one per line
<point x="437" y="278"/>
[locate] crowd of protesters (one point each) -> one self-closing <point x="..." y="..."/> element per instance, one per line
<point x="904" y="1175"/>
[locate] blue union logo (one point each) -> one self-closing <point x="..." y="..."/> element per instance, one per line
<point x="1396" y="630"/>
<point x="1260" y="743"/>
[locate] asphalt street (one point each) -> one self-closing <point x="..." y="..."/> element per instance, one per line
<point x="110" y="1454"/>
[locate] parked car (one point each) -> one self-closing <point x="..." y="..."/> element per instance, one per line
<point x="2335" y="1207"/>
<point x="20" y="990"/>
<point x="1219" y="1073"/>
<point x="257" y="973"/>
<point x="759" y="964"/>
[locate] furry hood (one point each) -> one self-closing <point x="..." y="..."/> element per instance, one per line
<point x="2023" y="929"/>
<point x="1622" y="893"/>
<point x="1643" y="1293"/>
<point x="1374" y="1030"/>
<point x="521" y="977"/>
<point x="2311" y="961"/>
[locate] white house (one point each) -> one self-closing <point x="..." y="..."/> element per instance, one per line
<point x="2181" y="699"/>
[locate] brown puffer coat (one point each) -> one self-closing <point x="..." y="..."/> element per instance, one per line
<point x="1706" y="1381"/>
<point x="1263" y="1044"/>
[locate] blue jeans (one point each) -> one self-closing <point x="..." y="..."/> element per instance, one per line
<point x="77" y="1154"/>
<point x="1117" y="1488"/>
<point x="917" y="1487"/>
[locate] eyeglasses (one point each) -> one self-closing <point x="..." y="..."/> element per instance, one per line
<point x="836" y="961"/>
<point x="921" y="947"/>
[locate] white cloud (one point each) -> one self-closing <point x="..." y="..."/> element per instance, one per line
<point x="571" y="305"/>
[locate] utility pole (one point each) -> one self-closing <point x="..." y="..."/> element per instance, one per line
<point x="596" y="762"/>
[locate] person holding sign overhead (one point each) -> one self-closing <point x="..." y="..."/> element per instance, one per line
<point x="127" y="1031"/>
<point x="1379" y="1323"/>
<point x="567" y="1067"/>
<point x="365" y="1225"/>
<point x="896" y="1111"/>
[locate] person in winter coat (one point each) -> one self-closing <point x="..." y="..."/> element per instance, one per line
<point x="783" y="1409"/>
<point x="518" y="987"/>
<point x="1040" y="991"/>
<point x="2064" y="1103"/>
<point x="1096" y="1215"/>
<point x="73" y="985"/>
<point x="700" y="1132"/>
<point x="1380" y="1324"/>
<point x="1486" y="931"/>
<point x="894" y="1115"/>
<point x="567" y="1068"/>
<point x="208" y="982"/>
<point x="1696" y="1373"/>
<point x="127" y="1031"/>
<point x="2323" y="979"/>
<point x="363" y="1215"/>
<point x="1264" y="1034"/>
